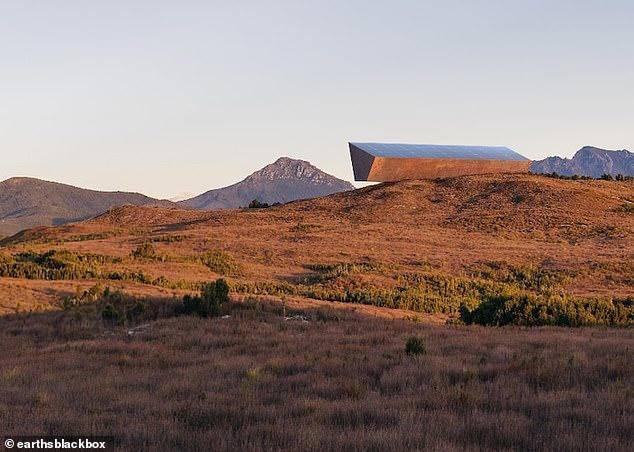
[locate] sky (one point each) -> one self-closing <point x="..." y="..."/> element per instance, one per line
<point x="173" y="97"/>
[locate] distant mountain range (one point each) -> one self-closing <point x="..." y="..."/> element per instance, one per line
<point x="588" y="161"/>
<point x="282" y="181"/>
<point x="27" y="202"/>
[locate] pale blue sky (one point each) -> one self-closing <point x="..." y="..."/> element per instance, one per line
<point x="165" y="97"/>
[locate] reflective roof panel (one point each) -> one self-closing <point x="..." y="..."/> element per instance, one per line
<point x="439" y="151"/>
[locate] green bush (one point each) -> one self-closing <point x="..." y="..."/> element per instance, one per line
<point x="538" y="310"/>
<point x="209" y="302"/>
<point x="256" y="204"/>
<point x="220" y="262"/>
<point x="52" y="265"/>
<point x="136" y="311"/>
<point x="145" y="251"/>
<point x="110" y="314"/>
<point x="415" y="346"/>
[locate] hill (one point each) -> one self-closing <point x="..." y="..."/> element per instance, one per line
<point x="28" y="202"/>
<point x="282" y="181"/>
<point x="508" y="232"/>
<point x="588" y="161"/>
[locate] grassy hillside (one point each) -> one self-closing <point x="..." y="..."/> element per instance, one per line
<point x="428" y="246"/>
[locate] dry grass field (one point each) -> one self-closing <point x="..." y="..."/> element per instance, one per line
<point x="335" y="380"/>
<point x="359" y="273"/>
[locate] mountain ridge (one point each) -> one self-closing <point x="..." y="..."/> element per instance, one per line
<point x="27" y="202"/>
<point x="588" y="161"/>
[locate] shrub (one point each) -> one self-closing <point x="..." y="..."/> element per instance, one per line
<point x="53" y="265"/>
<point x="415" y="346"/>
<point x="210" y="302"/>
<point x="109" y="313"/>
<point x="220" y="262"/>
<point x="609" y="177"/>
<point x="169" y="238"/>
<point x="626" y="207"/>
<point x="518" y="198"/>
<point x="256" y="204"/>
<point x="136" y="311"/>
<point x="145" y="251"/>
<point x="538" y="310"/>
<point x="81" y="297"/>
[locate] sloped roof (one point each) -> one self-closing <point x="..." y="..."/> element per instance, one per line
<point x="438" y="151"/>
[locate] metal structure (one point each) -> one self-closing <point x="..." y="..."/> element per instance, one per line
<point x="385" y="162"/>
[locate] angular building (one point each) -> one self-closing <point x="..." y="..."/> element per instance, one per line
<point x="385" y="162"/>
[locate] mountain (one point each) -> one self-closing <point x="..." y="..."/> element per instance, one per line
<point x="26" y="202"/>
<point x="282" y="181"/>
<point x="588" y="161"/>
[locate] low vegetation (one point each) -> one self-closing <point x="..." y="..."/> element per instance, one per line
<point x="209" y="303"/>
<point x="220" y="262"/>
<point x="531" y="295"/>
<point x="335" y="380"/>
<point x="535" y="310"/>
<point x="626" y="207"/>
<point x="145" y="251"/>
<point x="608" y="177"/>
<point x="490" y="293"/>
<point x="206" y="372"/>
<point x="52" y="265"/>
<point x="256" y="204"/>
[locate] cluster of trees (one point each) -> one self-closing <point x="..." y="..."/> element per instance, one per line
<point x="618" y="177"/>
<point x="51" y="265"/>
<point x="256" y="204"/>
<point x="65" y="265"/>
<point x="496" y="295"/>
<point x="539" y="310"/>
<point x="529" y="277"/>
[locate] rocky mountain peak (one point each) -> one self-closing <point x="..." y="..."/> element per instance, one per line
<point x="282" y="181"/>
<point x="588" y="161"/>
<point x="286" y="168"/>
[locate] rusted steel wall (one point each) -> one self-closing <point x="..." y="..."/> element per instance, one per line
<point x="387" y="169"/>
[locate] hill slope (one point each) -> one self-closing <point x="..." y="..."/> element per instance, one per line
<point x="27" y="202"/>
<point x="588" y="161"/>
<point x="525" y="232"/>
<point x="457" y="223"/>
<point x="282" y="181"/>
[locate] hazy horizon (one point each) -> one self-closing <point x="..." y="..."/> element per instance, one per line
<point x="165" y="99"/>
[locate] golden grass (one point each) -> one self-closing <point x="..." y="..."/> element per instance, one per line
<point x="339" y="381"/>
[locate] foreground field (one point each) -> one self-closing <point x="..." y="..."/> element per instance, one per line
<point x="325" y="378"/>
